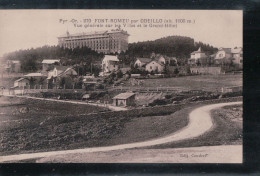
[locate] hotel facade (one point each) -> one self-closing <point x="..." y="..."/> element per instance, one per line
<point x="101" y="41"/>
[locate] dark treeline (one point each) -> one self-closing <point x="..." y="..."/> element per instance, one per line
<point x="31" y="58"/>
<point x="172" y="46"/>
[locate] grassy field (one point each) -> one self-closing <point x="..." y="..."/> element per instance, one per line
<point x="227" y="130"/>
<point x="198" y="82"/>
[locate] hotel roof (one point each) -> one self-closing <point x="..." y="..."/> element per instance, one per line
<point x="50" y="61"/>
<point x="93" y="33"/>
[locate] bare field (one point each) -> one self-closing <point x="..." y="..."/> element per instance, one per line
<point x="198" y="82"/>
<point x="28" y="126"/>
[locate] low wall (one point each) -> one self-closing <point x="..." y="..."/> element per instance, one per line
<point x="206" y="70"/>
<point x="232" y="89"/>
<point x="30" y="91"/>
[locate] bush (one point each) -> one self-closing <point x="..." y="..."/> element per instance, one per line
<point x="158" y="102"/>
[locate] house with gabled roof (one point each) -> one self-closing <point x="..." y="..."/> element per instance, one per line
<point x="60" y="71"/>
<point x="234" y="55"/>
<point x="154" y="66"/>
<point x="195" y="56"/>
<point x="48" y="64"/>
<point x="223" y="53"/>
<point x="166" y="60"/>
<point x="124" y="99"/>
<point x="13" y="66"/>
<point x="237" y="55"/>
<point x="21" y="82"/>
<point x="141" y="62"/>
<point x="110" y="63"/>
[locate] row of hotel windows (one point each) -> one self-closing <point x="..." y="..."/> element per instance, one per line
<point x="93" y="44"/>
<point x="74" y="45"/>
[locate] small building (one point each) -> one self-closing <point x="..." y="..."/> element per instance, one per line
<point x="195" y="56"/>
<point x="22" y="82"/>
<point x="110" y="63"/>
<point x="237" y="55"/>
<point x="36" y="79"/>
<point x="154" y="66"/>
<point x="48" y="64"/>
<point x="13" y="66"/>
<point x="223" y="53"/>
<point x="91" y="84"/>
<point x="59" y="71"/>
<point x="62" y="72"/>
<point x="141" y="62"/>
<point x="124" y="99"/>
<point x="165" y="60"/>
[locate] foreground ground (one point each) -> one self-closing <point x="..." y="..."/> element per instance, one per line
<point x="192" y="130"/>
<point x="28" y="125"/>
<point x="212" y="154"/>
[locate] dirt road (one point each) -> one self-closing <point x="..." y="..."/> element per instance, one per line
<point x="199" y="122"/>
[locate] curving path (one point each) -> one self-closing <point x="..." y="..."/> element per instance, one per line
<point x="199" y="122"/>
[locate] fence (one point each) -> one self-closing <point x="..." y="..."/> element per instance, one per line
<point x="150" y="89"/>
<point x="232" y="89"/>
<point x="30" y="91"/>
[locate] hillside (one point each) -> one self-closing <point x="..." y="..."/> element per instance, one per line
<point x="173" y="46"/>
<point x="31" y="58"/>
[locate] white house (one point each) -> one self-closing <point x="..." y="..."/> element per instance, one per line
<point x="237" y="54"/>
<point x="223" y="53"/>
<point x="59" y="71"/>
<point x="110" y="63"/>
<point x="22" y="82"/>
<point x="165" y="60"/>
<point x="13" y="66"/>
<point x="141" y="62"/>
<point x="196" y="55"/>
<point x="154" y="66"/>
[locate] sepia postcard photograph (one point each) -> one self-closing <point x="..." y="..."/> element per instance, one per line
<point x="121" y="86"/>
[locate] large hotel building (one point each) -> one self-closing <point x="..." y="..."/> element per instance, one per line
<point x="101" y="41"/>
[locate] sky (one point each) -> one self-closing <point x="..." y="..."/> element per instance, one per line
<point x="25" y="29"/>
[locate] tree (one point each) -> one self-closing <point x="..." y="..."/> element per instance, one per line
<point x="32" y="82"/>
<point x="41" y="81"/>
<point x="78" y="82"/>
<point x="165" y="69"/>
<point x="176" y="71"/>
<point x="119" y="74"/>
<point x="50" y="83"/>
<point x="62" y="82"/>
